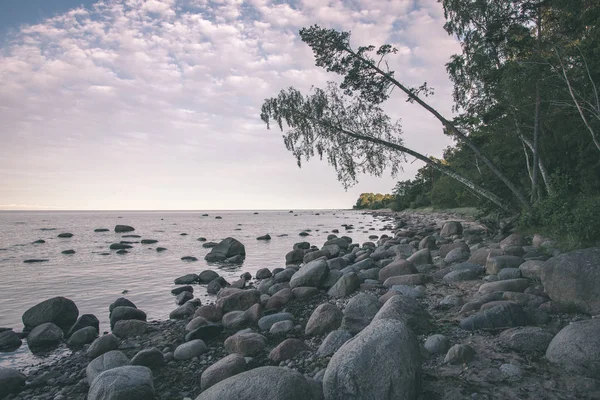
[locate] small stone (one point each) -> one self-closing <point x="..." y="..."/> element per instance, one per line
<point x="459" y="354"/>
<point x="511" y="372"/>
<point x="189" y="350"/>
<point x="437" y="344"/>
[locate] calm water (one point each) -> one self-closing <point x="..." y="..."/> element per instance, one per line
<point x="94" y="280"/>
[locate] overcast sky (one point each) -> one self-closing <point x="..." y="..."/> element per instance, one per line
<point x="154" y="104"/>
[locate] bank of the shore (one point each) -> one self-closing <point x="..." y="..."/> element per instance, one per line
<point x="440" y="309"/>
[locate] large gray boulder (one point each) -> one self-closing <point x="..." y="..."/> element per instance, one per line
<point x="264" y="383"/>
<point x="407" y="310"/>
<point x="383" y="362"/>
<point x="82" y="336"/>
<point x="11" y="381"/>
<point x="59" y="310"/>
<point x="324" y="319"/>
<point x="226" y="367"/>
<point x="106" y="361"/>
<point x="359" y="312"/>
<point x="44" y="336"/>
<point x="238" y="301"/>
<point x="333" y="342"/>
<point x="9" y="340"/>
<point x="576" y="348"/>
<point x="345" y="285"/>
<point x="572" y="280"/>
<point x="311" y="274"/>
<point x="130" y="382"/>
<point x="227" y="248"/>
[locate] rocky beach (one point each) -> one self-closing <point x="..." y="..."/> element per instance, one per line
<point x="432" y="307"/>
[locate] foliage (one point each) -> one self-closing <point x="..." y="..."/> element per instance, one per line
<point x="374" y="201"/>
<point x="527" y="109"/>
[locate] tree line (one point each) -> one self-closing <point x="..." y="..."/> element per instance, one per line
<point x="526" y="122"/>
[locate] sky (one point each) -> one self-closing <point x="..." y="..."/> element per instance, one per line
<point x="155" y="104"/>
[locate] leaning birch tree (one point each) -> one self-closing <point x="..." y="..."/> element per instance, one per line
<point x="347" y="125"/>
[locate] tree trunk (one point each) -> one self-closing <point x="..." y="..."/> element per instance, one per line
<point x="536" y="134"/>
<point x="451" y="127"/>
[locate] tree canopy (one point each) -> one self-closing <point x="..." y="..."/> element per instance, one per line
<point x="527" y="111"/>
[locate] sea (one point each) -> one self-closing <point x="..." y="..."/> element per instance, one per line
<point x="94" y="276"/>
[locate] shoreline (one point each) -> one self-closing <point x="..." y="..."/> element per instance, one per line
<point x="442" y="306"/>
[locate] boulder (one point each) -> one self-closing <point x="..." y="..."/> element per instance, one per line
<point x="245" y="343"/>
<point x="11" y="381"/>
<point x="210" y="312"/>
<point x="83" y="336"/>
<point x="151" y="358"/>
<point x="359" y="312"/>
<point x="509" y="285"/>
<point x="345" y="285"/>
<point x="44" y="336"/>
<point x="130" y="327"/>
<point x="421" y="257"/>
<point x="459" y="354"/>
<point x="381" y="362"/>
<point x="311" y="274"/>
<point x="324" y="319"/>
<point x="282" y="327"/>
<point x="125" y="313"/>
<point x="264" y="237"/>
<point x="263" y="273"/>
<point x="124" y="228"/>
<point x="314" y="255"/>
<point x="451" y="228"/>
<point x="333" y="342"/>
<point x="83" y="321"/>
<point x="457" y="255"/>
<point x="437" y="344"/>
<point x="287" y="349"/>
<point x="9" y="341"/>
<point x="572" y="280"/>
<point x="279" y="299"/>
<point x="121" y="302"/>
<point x="205" y="332"/>
<point x="238" y="301"/>
<point x="527" y="339"/>
<point x="102" y="345"/>
<point x="189" y="350"/>
<point x="294" y="257"/>
<point x="264" y="383"/>
<point x="495" y="264"/>
<point x="59" y="310"/>
<point x="186" y="279"/>
<point x="130" y="382"/>
<point x="207" y="276"/>
<point x="185" y="311"/>
<point x="226" y="249"/>
<point x="226" y="367"/>
<point x="407" y="310"/>
<point x="397" y="268"/>
<point x="104" y="362"/>
<point x="412" y="279"/>
<point x="447" y="248"/>
<point x="532" y="269"/>
<point x="183" y="298"/>
<point x="576" y="348"/>
<point x="504" y="315"/>
<point x="267" y="321"/>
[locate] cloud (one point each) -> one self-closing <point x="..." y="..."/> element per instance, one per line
<point x="136" y="93"/>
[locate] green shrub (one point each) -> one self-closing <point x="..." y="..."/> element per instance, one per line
<point x="574" y="221"/>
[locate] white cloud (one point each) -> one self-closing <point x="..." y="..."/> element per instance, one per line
<point x="154" y="91"/>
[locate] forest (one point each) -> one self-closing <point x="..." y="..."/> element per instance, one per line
<point x="526" y="120"/>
